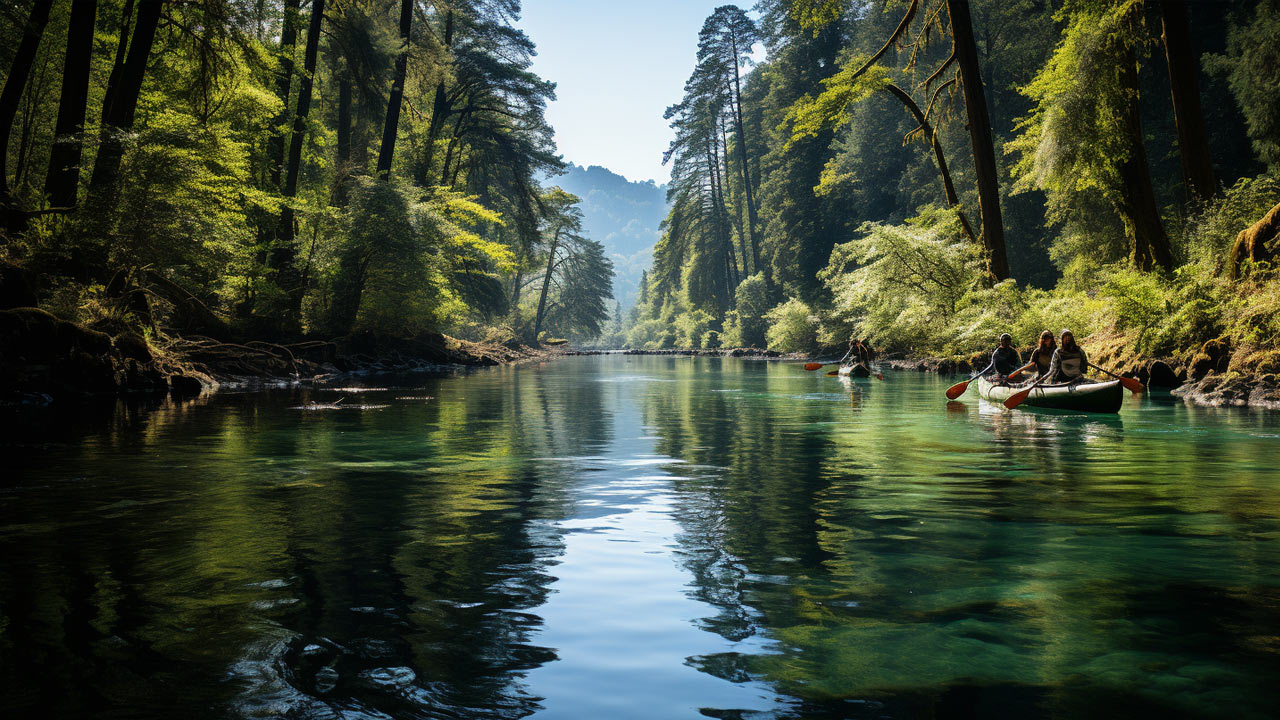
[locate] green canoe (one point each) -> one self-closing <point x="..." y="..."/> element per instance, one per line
<point x="1086" y="396"/>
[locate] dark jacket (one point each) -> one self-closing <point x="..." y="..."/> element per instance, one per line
<point x="1005" y="360"/>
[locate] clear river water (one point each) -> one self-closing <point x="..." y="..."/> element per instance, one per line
<point x="638" y="537"/>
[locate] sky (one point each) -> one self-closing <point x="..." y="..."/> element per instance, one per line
<point x="617" y="65"/>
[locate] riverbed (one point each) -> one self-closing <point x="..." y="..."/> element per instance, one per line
<point x="638" y="537"/>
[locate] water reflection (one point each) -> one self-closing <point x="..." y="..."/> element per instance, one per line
<point x="637" y="537"/>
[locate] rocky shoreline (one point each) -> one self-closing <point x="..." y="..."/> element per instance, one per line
<point x="44" y="358"/>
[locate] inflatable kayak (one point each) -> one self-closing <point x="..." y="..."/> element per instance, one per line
<point x="1085" y="396"/>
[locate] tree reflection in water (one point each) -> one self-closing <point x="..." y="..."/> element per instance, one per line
<point x="829" y="550"/>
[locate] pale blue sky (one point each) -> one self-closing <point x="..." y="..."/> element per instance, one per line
<point x="617" y="65"/>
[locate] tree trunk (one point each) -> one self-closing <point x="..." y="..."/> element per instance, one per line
<point x="387" y="151"/>
<point x="440" y="110"/>
<point x="288" y="39"/>
<point x="1136" y="203"/>
<point x="948" y="187"/>
<point x="737" y="205"/>
<point x="344" y="140"/>
<point x="740" y="128"/>
<point x="453" y="144"/>
<point x="283" y="255"/>
<point x="117" y="66"/>
<point x="546" y="285"/>
<point x="124" y="104"/>
<point x="1184" y="83"/>
<point x="14" y="86"/>
<point x="63" y="176"/>
<point x="984" y="156"/>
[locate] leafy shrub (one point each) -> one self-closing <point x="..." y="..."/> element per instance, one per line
<point x="792" y="327"/>
<point x="902" y="285"/>
<point x="692" y="327"/>
<point x="750" y="303"/>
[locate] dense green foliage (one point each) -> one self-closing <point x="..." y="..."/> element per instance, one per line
<point x="292" y="167"/>
<point x="857" y="145"/>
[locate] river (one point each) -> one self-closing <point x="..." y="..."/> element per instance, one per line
<point x="638" y="537"/>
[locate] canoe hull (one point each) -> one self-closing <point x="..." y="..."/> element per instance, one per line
<point x="854" y="371"/>
<point x="1094" y="397"/>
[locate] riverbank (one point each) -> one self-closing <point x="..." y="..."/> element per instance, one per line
<point x="44" y="358"/>
<point x="1212" y="376"/>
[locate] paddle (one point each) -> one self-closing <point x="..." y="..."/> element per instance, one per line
<point x="1018" y="373"/>
<point x="812" y="366"/>
<point x="959" y="388"/>
<point x="1129" y="384"/>
<point x="1016" y="399"/>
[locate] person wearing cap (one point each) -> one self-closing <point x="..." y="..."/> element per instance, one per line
<point x="1069" y="360"/>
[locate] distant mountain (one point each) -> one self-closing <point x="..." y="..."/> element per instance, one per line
<point x="621" y="215"/>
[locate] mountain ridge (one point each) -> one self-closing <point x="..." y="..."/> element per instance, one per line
<point x="624" y="216"/>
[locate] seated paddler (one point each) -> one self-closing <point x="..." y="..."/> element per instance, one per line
<point x="1005" y="358"/>
<point x="1069" y="361"/>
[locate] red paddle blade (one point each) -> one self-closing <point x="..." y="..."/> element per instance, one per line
<point x="1016" y="399"/>
<point x="812" y="366"/>
<point x="833" y="373"/>
<point x="1014" y="375"/>
<point x="957" y="390"/>
<point x="879" y="376"/>
<point x="1132" y="385"/>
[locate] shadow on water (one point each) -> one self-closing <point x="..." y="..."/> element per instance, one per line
<point x="637" y="537"/>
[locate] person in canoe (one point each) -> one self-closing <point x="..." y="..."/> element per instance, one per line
<point x="1042" y="357"/>
<point x="868" y="355"/>
<point x="859" y="353"/>
<point x="1069" y="360"/>
<point x="853" y="347"/>
<point x="1005" y="358"/>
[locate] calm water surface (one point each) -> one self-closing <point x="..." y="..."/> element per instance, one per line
<point x="638" y="537"/>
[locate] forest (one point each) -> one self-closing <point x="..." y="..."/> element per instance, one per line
<point x="922" y="173"/>
<point x="930" y="173"/>
<point x="251" y="170"/>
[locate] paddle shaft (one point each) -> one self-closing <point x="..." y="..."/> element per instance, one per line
<point x="1129" y="383"/>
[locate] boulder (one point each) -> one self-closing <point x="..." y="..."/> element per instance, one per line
<point x="17" y="287"/>
<point x="1159" y="374"/>
<point x="185" y="385"/>
<point x="41" y="353"/>
<point x="131" y="345"/>
<point x="1214" y="356"/>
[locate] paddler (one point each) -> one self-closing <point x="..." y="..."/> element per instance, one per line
<point x="1069" y="361"/>
<point x="1005" y="358"/>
